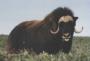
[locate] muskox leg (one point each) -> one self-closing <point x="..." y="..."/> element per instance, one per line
<point x="67" y="47"/>
<point x="9" y="48"/>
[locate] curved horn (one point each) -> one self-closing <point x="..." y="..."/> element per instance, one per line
<point x="78" y="31"/>
<point x="55" y="32"/>
<point x="65" y="19"/>
<point x="61" y="19"/>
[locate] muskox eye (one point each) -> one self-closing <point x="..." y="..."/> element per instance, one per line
<point x="62" y="23"/>
<point x="72" y="23"/>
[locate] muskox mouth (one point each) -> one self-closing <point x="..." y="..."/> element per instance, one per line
<point x="66" y="39"/>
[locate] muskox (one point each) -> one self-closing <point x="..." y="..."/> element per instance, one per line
<point x="53" y="34"/>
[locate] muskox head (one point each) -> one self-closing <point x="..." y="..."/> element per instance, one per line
<point x="64" y="23"/>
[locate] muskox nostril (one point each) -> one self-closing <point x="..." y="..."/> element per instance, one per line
<point x="67" y="38"/>
<point x="66" y="34"/>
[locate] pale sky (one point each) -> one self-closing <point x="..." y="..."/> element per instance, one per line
<point x="13" y="12"/>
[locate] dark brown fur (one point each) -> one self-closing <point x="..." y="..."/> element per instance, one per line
<point x="35" y="35"/>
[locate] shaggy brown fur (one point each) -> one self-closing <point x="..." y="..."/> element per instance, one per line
<point x="35" y="35"/>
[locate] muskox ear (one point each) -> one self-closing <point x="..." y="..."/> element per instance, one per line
<point x="75" y="18"/>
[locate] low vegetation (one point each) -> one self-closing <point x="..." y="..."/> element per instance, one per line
<point x="80" y="52"/>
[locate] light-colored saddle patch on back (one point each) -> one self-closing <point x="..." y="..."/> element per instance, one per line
<point x="65" y="19"/>
<point x="30" y="24"/>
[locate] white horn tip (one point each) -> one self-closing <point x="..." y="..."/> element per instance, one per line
<point x="79" y="30"/>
